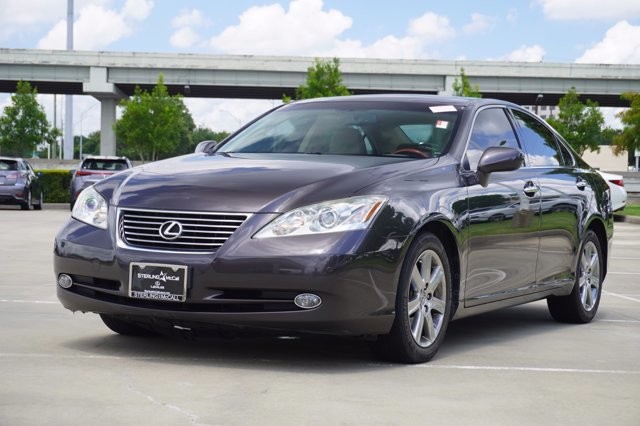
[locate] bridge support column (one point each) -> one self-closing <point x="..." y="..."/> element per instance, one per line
<point x="108" y="94"/>
<point x="448" y="85"/>
<point x="107" y="120"/>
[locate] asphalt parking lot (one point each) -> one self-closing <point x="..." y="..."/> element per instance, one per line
<point x="515" y="366"/>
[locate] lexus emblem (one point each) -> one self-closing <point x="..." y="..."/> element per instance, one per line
<point x="170" y="230"/>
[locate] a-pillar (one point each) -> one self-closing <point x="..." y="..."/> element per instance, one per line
<point x="107" y="120"/>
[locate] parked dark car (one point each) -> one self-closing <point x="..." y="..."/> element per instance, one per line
<point x="20" y="184"/>
<point x="94" y="168"/>
<point x="355" y="216"/>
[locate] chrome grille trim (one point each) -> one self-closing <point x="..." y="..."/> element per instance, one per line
<point x="202" y="232"/>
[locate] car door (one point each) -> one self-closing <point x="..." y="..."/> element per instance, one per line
<point x="564" y="197"/>
<point x="503" y="218"/>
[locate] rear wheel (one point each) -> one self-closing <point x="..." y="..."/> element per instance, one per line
<point x="423" y="304"/>
<point x="26" y="204"/>
<point x="125" y="327"/>
<point x="40" y="201"/>
<point x="582" y="304"/>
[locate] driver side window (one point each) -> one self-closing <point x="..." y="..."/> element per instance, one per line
<point x="491" y="128"/>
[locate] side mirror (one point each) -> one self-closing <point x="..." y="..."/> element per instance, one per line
<point x="498" y="159"/>
<point x="205" y="146"/>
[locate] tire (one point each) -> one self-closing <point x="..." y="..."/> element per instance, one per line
<point x="423" y="304"/>
<point x="26" y="205"/>
<point x="40" y="201"/>
<point x="581" y="305"/>
<point x="124" y="327"/>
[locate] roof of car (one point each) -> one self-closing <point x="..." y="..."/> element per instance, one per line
<point x="103" y="157"/>
<point x="432" y="99"/>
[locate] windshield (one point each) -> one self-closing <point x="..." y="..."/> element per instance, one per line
<point x="104" y="164"/>
<point x="350" y="128"/>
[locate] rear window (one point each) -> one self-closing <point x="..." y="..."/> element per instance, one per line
<point x="8" y="165"/>
<point x="100" y="164"/>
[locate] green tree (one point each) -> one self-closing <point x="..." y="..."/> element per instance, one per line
<point x="581" y="124"/>
<point x="629" y="138"/>
<point x="24" y="124"/>
<point x="463" y="87"/>
<point x="323" y="79"/>
<point x="153" y="124"/>
<point x="90" y="144"/>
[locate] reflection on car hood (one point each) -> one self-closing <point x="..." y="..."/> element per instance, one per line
<point x="250" y="182"/>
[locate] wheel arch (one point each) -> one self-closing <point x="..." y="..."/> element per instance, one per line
<point x="598" y="227"/>
<point x="444" y="232"/>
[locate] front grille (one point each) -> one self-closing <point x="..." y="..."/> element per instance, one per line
<point x="201" y="231"/>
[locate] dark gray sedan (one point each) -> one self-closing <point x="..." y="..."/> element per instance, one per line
<point x="20" y="184"/>
<point x="380" y="216"/>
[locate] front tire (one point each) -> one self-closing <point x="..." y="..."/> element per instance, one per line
<point x="581" y="305"/>
<point x="124" y="327"/>
<point x="423" y="304"/>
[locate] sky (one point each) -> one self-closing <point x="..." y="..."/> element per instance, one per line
<point x="565" y="31"/>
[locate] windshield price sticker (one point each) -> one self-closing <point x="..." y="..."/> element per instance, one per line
<point x="155" y="281"/>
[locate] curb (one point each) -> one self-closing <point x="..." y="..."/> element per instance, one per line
<point x="56" y="206"/>
<point x="626" y="219"/>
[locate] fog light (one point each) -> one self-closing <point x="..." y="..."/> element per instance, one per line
<point x="307" y="301"/>
<point x="65" y="281"/>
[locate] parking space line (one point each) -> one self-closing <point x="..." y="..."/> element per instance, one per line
<point x="608" y="293"/>
<point x="41" y="302"/>
<point x="622" y="321"/>
<point x="623" y="273"/>
<point x="528" y="369"/>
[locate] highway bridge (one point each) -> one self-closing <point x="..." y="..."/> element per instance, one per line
<point x="111" y="76"/>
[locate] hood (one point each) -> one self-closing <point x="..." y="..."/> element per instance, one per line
<point x="248" y="183"/>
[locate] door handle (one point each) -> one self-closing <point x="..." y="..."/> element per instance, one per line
<point x="531" y="189"/>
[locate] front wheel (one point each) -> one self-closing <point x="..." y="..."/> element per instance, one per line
<point x="423" y="304"/>
<point x="582" y="304"/>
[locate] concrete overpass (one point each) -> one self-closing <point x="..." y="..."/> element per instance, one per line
<point x="110" y="76"/>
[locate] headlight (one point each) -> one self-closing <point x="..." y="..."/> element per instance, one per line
<point x="331" y="216"/>
<point x="91" y="208"/>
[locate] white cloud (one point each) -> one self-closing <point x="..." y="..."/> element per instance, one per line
<point x="479" y="23"/>
<point x="301" y="30"/>
<point x="308" y="29"/>
<point x="186" y="24"/>
<point x="137" y="9"/>
<point x="512" y="16"/>
<point x="97" y="27"/>
<point x="190" y="18"/>
<point x="431" y="27"/>
<point x="526" y="54"/>
<point x="184" y="37"/>
<point x="621" y="45"/>
<point x="590" y="9"/>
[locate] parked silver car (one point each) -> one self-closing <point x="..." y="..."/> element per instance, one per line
<point x="95" y="168"/>
<point x="20" y="184"/>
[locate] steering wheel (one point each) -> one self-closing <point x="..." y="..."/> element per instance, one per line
<point x="414" y="152"/>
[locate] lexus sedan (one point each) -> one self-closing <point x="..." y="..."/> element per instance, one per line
<point x="94" y="168"/>
<point x="361" y="215"/>
<point x="20" y="184"/>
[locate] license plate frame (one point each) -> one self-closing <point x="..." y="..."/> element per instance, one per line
<point x="158" y="281"/>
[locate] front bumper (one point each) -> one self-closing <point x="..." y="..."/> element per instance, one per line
<point x="248" y="284"/>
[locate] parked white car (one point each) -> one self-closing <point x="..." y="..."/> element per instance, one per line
<point x="618" y="193"/>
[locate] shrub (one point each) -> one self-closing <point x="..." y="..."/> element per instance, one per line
<point x="56" y="185"/>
